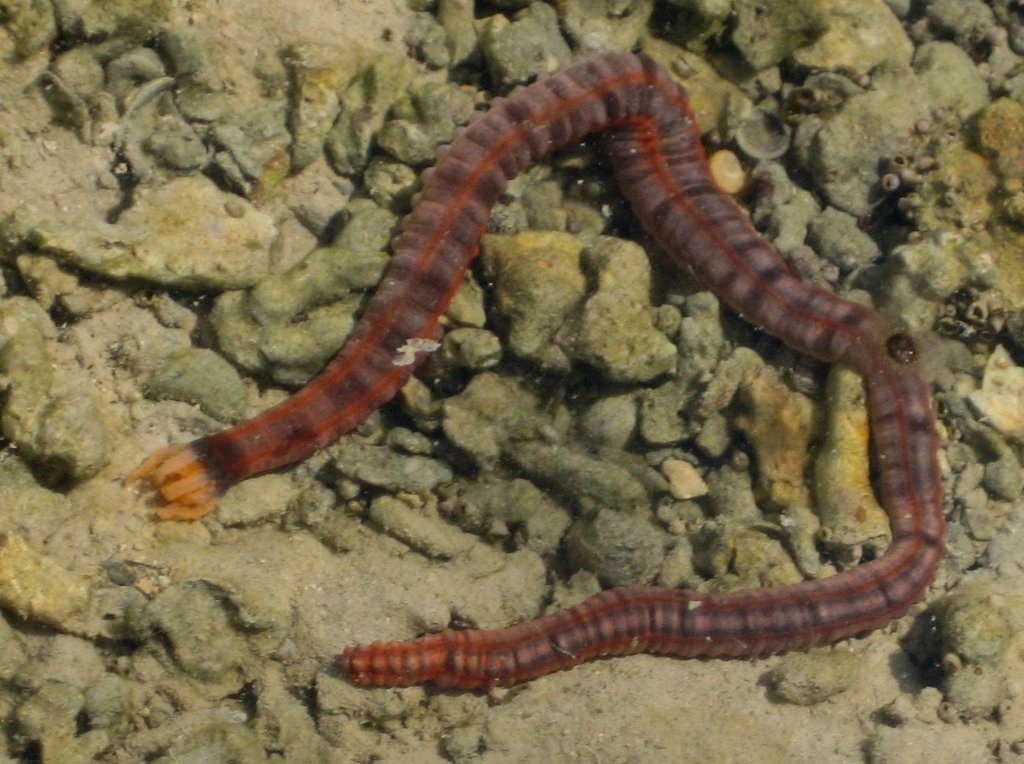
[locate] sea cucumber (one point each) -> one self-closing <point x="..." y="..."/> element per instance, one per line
<point x="657" y="157"/>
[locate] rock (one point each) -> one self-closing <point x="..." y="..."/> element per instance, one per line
<point x="766" y="34"/>
<point x="252" y="146"/>
<point x="469" y="348"/>
<point x="529" y="45"/>
<point x="684" y="481"/>
<point x="423" y="117"/>
<point x="739" y="557"/>
<point x="609" y="423"/>
<point x="292" y="323"/>
<point x="851" y="517"/>
<point x="777" y="422"/>
<point x="36" y="588"/>
<point x="951" y="80"/>
<point x="862" y="35"/>
<point x="595" y="25"/>
<point x="732" y="492"/>
<point x="457" y="19"/>
<point x="1000" y="401"/>
<point x="261" y="499"/>
<point x="718" y="104"/>
<point x="31" y="27"/>
<point x="201" y="377"/>
<point x="510" y="509"/>
<point x="424" y="532"/>
<point x="199" y="631"/>
<point x="537" y="284"/>
<point x="616" y="333"/>
<point x="318" y="73"/>
<point x="383" y="468"/>
<point x="980" y="633"/>
<point x="806" y="679"/>
<point x="187" y="234"/>
<point x="491" y="412"/>
<point x="365" y="104"/>
<point x="585" y="480"/>
<point x="620" y="549"/>
<point x="58" y="425"/>
<point x="844" y="151"/>
<point x="837" y="237"/>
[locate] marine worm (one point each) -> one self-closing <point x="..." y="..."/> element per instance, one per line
<point x="659" y="162"/>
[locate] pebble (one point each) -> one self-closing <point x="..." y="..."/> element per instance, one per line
<point x="806" y="679"/>
<point x="851" y="518"/>
<point x="37" y="589"/>
<point x="862" y="35"/>
<point x="684" y="482"/>
<point x="727" y="172"/>
<point x="604" y="26"/>
<point x="529" y="45"/>
<point x="54" y="419"/>
<point x="201" y="377"/>
<point x="538" y="283"/>
<point x="980" y="632"/>
<point x="290" y="324"/>
<point x="1001" y="397"/>
<point x="766" y="34"/>
<point x="177" y="235"/>
<point x="616" y="333"/>
<point x="777" y="422"/>
<point x="365" y="104"/>
<point x="510" y="509"/>
<point x="620" y="549"/>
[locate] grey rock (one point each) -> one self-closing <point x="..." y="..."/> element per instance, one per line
<point x="620" y="549"/>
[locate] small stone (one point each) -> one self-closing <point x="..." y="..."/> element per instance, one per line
<point x="953" y="82"/>
<point x="425" y="533"/>
<point x="616" y="332"/>
<point x="861" y="36"/>
<point x="381" y="467"/>
<point x="36" y="588"/>
<point x="597" y="26"/>
<point x="609" y="423"/>
<point x="838" y="238"/>
<point x="474" y="349"/>
<point x="806" y="679"/>
<point x="766" y="34"/>
<point x="537" y="284"/>
<point x="528" y="516"/>
<point x="622" y="550"/>
<point x="58" y="426"/>
<point x="684" y="481"/>
<point x="1001" y="397"/>
<point x="201" y="377"/>
<point x="980" y="630"/>
<point x="777" y="421"/>
<point x="421" y="119"/>
<point x="365" y="104"/>
<point x="585" y="480"/>
<point x="318" y="73"/>
<point x="851" y="517"/>
<point x="881" y="118"/>
<point x="531" y="44"/>
<point x="492" y="411"/>
<point x="260" y="499"/>
<point x="292" y="323"/>
<point x="198" y="628"/>
<point x="177" y="234"/>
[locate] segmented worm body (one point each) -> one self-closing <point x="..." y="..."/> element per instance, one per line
<point x="660" y="165"/>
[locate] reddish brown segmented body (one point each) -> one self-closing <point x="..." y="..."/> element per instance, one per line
<point x="660" y="165"/>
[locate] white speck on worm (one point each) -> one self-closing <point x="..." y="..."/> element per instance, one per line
<point x="406" y="353"/>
